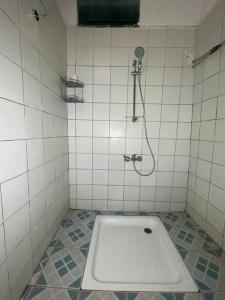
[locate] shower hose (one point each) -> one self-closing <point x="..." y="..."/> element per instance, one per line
<point x="146" y="135"/>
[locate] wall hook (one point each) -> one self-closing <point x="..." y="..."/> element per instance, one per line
<point x="36" y="15"/>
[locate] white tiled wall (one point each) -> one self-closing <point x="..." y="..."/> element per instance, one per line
<point x="206" y="187"/>
<point x="101" y="131"/>
<point x="33" y="139"/>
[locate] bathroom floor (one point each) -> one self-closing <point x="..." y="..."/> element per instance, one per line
<point x="60" y="271"/>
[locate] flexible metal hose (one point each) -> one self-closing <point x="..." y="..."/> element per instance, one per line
<point x="146" y="134"/>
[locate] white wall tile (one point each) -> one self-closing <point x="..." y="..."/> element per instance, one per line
<point x="32" y="91"/>
<point x="34" y="153"/>
<point x="83" y="128"/>
<point x="138" y="36"/>
<point x="175" y="37"/>
<point x="156" y="57"/>
<point x="101" y="93"/>
<point x="115" y="192"/>
<point x="218" y="175"/>
<point x="84" y="36"/>
<point x="185" y="113"/>
<point x="11" y="9"/>
<point x="18" y="259"/>
<point x="120" y="37"/>
<point x="30" y="58"/>
<point x="216" y="218"/>
<point x="84" y="161"/>
<point x="33" y="123"/>
<point x="10" y="81"/>
<point x="37" y="209"/>
<point x="119" y="56"/>
<point x="36" y="181"/>
<point x="220" y="134"/>
<point x="38" y="232"/>
<point x="100" y="128"/>
<point x="2" y="245"/>
<point x="12" y="121"/>
<point x="204" y="169"/>
<point x="169" y="113"/>
<point x="84" y="192"/>
<point x="119" y="75"/>
<point x="84" y="176"/>
<point x="84" y="55"/>
<point x="10" y="34"/>
<point x="100" y="161"/>
<point x="118" y="94"/>
<point x="221" y="107"/>
<point x="100" y="177"/>
<point x="102" y="37"/>
<point x="174" y="57"/>
<point x="16" y="228"/>
<point x="210" y="87"/>
<point x="209" y="109"/>
<point x="101" y="75"/>
<point x="157" y="37"/>
<point x="131" y="193"/>
<point x="172" y="76"/>
<point x="100" y="145"/>
<point x="4" y="280"/>
<point x="100" y="192"/>
<point x="12" y="159"/>
<point x="116" y="177"/>
<point x="14" y="195"/>
<point x="102" y="56"/>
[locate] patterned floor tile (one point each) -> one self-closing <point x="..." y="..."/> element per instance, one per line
<point x="208" y="270"/>
<point x="60" y="271"/>
<point x="43" y="293"/>
<point x="74" y="236"/>
<point x="117" y="213"/>
<point x="82" y="217"/>
<point x="60" y="267"/>
<point x="190" y="239"/>
<point x="163" y="296"/>
<point x="176" y="218"/>
<point x="102" y="295"/>
<point x="213" y="296"/>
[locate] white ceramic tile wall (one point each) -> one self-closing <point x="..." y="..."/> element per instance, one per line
<point x="34" y="190"/>
<point x="101" y="131"/>
<point x="206" y="187"/>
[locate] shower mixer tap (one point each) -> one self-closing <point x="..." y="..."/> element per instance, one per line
<point x="133" y="157"/>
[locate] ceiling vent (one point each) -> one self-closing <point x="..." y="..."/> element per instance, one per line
<point x="112" y="13"/>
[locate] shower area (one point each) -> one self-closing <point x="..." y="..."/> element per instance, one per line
<point x="112" y="142"/>
<point x="136" y="118"/>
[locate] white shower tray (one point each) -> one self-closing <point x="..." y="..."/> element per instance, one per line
<point x="123" y="257"/>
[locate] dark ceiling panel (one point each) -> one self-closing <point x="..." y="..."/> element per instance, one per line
<point x="108" y="12"/>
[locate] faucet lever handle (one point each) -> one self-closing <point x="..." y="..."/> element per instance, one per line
<point x="126" y="158"/>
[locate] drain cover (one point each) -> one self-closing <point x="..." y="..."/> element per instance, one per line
<point x="147" y="230"/>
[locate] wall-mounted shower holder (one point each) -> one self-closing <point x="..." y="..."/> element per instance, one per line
<point x="133" y="157"/>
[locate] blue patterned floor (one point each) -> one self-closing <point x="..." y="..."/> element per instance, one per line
<point x="60" y="271"/>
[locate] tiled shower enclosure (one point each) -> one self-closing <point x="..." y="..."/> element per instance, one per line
<point x="101" y="131"/>
<point x="55" y="155"/>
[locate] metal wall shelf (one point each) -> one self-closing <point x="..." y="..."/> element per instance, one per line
<point x="74" y="99"/>
<point x="71" y="83"/>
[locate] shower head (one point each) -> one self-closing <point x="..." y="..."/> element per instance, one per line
<point x="139" y="53"/>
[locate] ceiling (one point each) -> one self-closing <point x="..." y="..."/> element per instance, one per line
<point x="155" y="12"/>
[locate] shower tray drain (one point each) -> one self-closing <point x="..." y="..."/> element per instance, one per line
<point x="147" y="230"/>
